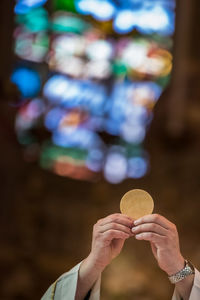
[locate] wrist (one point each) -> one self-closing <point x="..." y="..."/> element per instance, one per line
<point x="177" y="265"/>
<point x="94" y="263"/>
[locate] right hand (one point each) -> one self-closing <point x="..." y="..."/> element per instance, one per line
<point x="164" y="239"/>
<point x="109" y="235"/>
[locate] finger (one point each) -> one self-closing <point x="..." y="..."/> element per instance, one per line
<point x="115" y="226"/>
<point x="150" y="227"/>
<point x="151" y="237"/>
<point x="117" y="218"/>
<point x="154" y="218"/>
<point x="111" y="234"/>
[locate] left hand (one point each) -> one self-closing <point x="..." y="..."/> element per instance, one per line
<point x="164" y="240"/>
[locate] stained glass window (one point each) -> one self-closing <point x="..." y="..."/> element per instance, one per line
<point x="90" y="73"/>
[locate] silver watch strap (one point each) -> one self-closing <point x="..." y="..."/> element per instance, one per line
<point x="186" y="271"/>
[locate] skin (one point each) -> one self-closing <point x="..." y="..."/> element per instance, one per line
<point x="164" y="240"/>
<point x="109" y="235"/>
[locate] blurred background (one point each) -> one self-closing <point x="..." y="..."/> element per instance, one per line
<point x="97" y="97"/>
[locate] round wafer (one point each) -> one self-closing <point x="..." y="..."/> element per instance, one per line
<point x="136" y="204"/>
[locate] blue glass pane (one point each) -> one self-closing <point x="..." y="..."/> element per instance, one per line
<point x="28" y="81"/>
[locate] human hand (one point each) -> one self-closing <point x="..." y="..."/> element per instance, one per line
<point x="109" y="235"/>
<point x="164" y="240"/>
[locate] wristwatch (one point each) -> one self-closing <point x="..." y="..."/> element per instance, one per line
<point x="186" y="271"/>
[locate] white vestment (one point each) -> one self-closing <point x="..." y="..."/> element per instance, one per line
<point x="65" y="287"/>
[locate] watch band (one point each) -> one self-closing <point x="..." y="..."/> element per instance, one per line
<point x="186" y="271"/>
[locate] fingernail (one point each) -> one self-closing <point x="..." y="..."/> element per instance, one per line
<point x="133" y="229"/>
<point x="136" y="222"/>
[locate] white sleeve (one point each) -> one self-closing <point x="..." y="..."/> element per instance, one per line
<point x="195" y="293"/>
<point x="65" y="287"/>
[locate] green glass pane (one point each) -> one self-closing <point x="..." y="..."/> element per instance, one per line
<point x="67" y="5"/>
<point x="69" y="24"/>
<point x="32" y="47"/>
<point x="119" y="68"/>
<point x="36" y="20"/>
<point x="164" y="81"/>
<point x="50" y="153"/>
